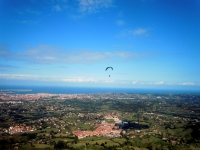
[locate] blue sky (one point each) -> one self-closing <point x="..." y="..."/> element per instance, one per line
<point x="149" y="43"/>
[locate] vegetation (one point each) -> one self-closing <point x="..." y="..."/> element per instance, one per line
<point x="149" y="121"/>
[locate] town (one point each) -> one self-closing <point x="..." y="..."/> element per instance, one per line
<point x="99" y="121"/>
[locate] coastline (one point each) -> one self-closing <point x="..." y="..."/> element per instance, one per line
<point x="88" y="90"/>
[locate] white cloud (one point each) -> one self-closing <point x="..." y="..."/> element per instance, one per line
<point x="28" y="10"/>
<point x="31" y="22"/>
<point x="48" y="54"/>
<point x="57" y="8"/>
<point x="161" y="82"/>
<point x="140" y="31"/>
<point x="54" y="5"/>
<point x="125" y="54"/>
<point x="135" y="82"/>
<point x="79" y="79"/>
<point x="120" y="22"/>
<point x="47" y="58"/>
<point x="134" y="32"/>
<point x="187" y="83"/>
<point x="18" y="76"/>
<point x="49" y="78"/>
<point x="87" y="80"/>
<point x="108" y="81"/>
<point x="75" y="9"/>
<point x="92" y="6"/>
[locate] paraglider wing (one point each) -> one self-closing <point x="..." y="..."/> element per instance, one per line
<point x="108" y="68"/>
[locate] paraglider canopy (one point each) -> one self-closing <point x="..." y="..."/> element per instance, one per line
<point x="108" y="68"/>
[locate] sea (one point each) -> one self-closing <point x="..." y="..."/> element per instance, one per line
<point x="87" y="90"/>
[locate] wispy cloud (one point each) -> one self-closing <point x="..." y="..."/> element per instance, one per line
<point x="120" y="22"/>
<point x="79" y="79"/>
<point x="52" y="5"/>
<point x="140" y="31"/>
<point x="93" y="6"/>
<point x="60" y="79"/>
<point x="134" y="32"/>
<point x="31" y="11"/>
<point x="57" y="5"/>
<point x="161" y="82"/>
<point x="89" y="80"/>
<point x="48" y="54"/>
<point x="57" y="8"/>
<point x="57" y="79"/>
<point x="135" y="82"/>
<point x="187" y="83"/>
<point x="31" y="22"/>
<point x="165" y="83"/>
<point x="18" y="77"/>
<point x="75" y="9"/>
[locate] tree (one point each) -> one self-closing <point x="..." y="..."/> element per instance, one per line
<point x="59" y="146"/>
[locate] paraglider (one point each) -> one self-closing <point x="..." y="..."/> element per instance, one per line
<point x="108" y="68"/>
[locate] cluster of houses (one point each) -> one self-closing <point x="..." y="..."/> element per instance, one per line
<point x="104" y="129"/>
<point x="115" y="118"/>
<point x="12" y="97"/>
<point x="4" y="95"/>
<point x="20" y="128"/>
